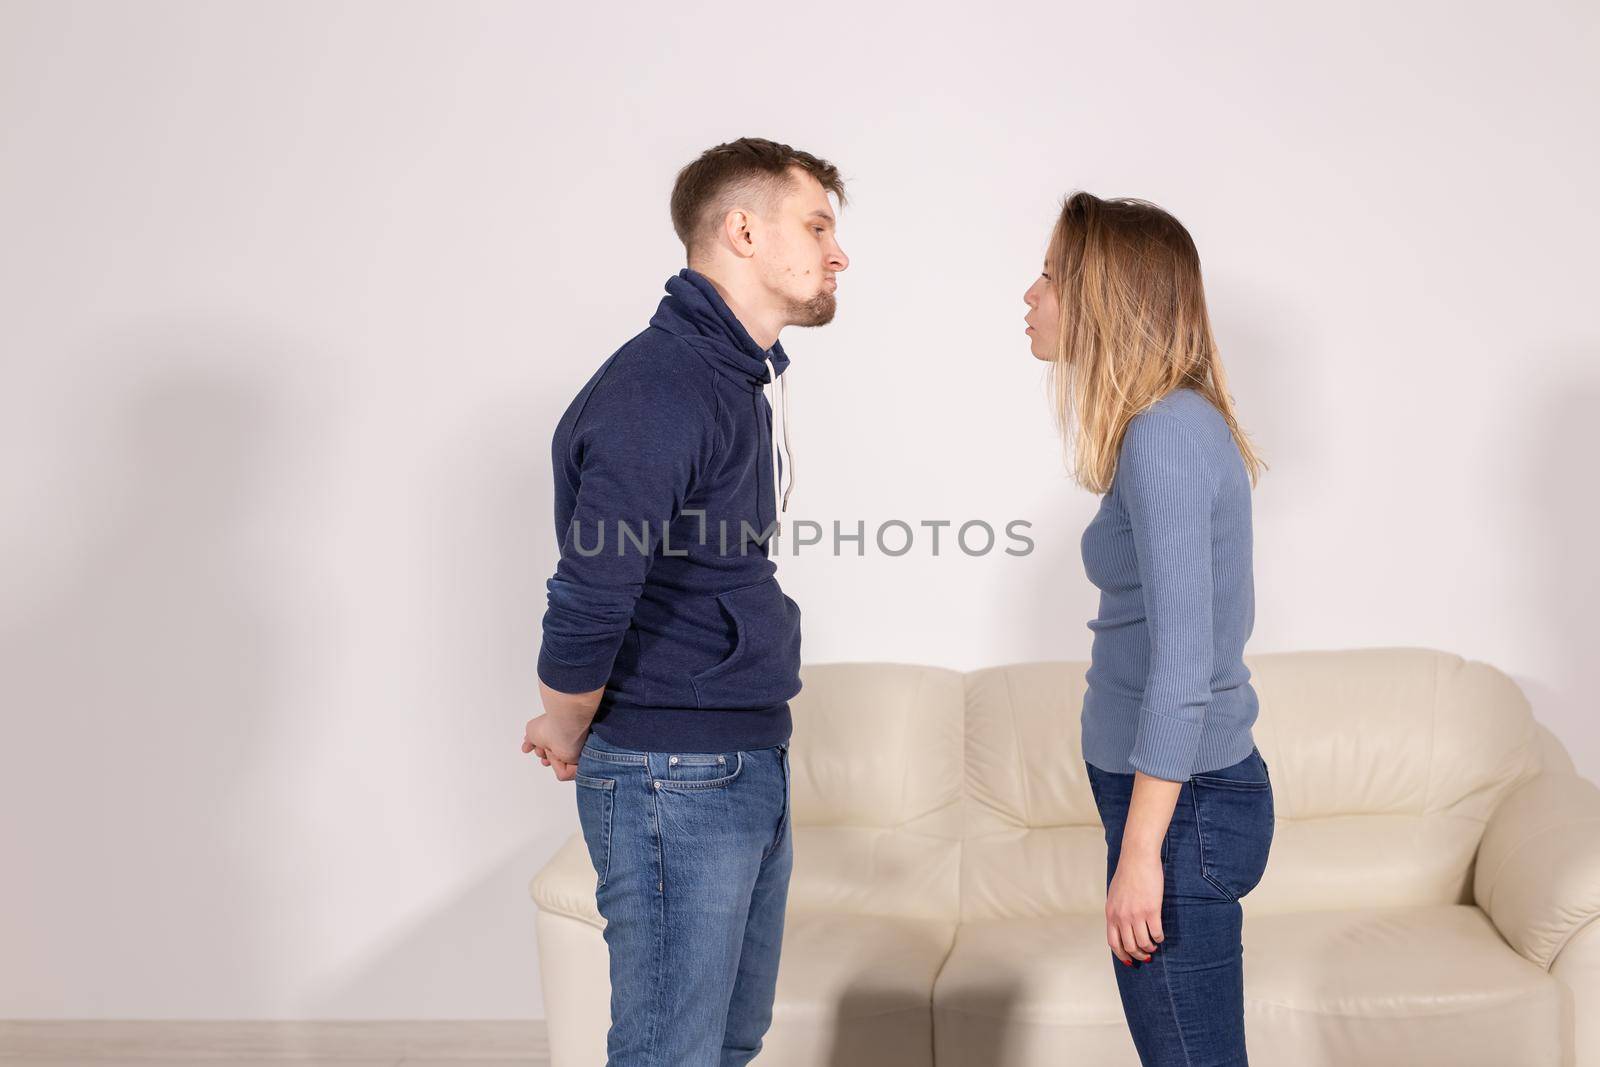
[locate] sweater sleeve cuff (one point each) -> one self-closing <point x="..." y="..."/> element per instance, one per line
<point x="1164" y="747"/>
<point x="572" y="677"/>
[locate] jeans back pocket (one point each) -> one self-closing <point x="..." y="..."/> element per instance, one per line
<point x="596" y="799"/>
<point x="1235" y="816"/>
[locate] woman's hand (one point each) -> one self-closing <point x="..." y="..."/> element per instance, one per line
<point x="1133" y="905"/>
<point x="1133" y="900"/>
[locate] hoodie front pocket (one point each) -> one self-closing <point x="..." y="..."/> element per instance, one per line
<point x="764" y="667"/>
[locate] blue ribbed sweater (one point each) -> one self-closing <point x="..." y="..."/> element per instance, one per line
<point x="1170" y="551"/>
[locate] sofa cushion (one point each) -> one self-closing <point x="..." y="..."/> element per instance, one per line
<point x="1386" y="764"/>
<point x="877" y="785"/>
<point x="853" y="991"/>
<point x="857" y="989"/>
<point x="864" y="870"/>
<point x="880" y="745"/>
<point x="854" y="965"/>
<point x="565" y="885"/>
<point x="1398" y="986"/>
<point x="1376" y="987"/>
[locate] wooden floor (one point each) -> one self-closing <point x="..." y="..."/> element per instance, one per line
<point x="94" y="1043"/>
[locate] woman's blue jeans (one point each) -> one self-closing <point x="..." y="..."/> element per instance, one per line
<point x="692" y="854"/>
<point x="1185" y="1005"/>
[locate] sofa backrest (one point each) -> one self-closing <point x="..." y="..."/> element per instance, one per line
<point x="877" y="790"/>
<point x="1386" y="763"/>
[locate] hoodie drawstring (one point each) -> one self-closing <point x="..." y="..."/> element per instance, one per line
<point x="780" y="415"/>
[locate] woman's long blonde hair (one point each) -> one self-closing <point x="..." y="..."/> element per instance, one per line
<point x="1132" y="327"/>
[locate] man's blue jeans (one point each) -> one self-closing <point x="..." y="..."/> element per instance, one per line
<point x="693" y="854"/>
<point x="1185" y="1005"/>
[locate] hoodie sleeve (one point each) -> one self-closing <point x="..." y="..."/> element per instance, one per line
<point x="1167" y="489"/>
<point x="640" y="444"/>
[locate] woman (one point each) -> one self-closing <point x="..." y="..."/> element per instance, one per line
<point x="1120" y="315"/>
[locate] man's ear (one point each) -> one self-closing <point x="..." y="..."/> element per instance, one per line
<point x="741" y="228"/>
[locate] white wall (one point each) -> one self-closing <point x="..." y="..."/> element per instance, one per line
<point x="295" y="294"/>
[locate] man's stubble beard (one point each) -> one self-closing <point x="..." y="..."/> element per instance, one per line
<point x="818" y="311"/>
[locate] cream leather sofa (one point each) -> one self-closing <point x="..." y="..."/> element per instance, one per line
<point x="1434" y="877"/>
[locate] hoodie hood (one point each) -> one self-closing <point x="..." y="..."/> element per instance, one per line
<point x="696" y="312"/>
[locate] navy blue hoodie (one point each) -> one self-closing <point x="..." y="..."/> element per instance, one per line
<point x="669" y="446"/>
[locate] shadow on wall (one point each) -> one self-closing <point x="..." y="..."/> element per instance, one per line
<point x="481" y="938"/>
<point x="1273" y="378"/>
<point x="147" y="656"/>
<point x="489" y="538"/>
<point x="1547" y="508"/>
<point x="165" y="769"/>
<point x="474" y="953"/>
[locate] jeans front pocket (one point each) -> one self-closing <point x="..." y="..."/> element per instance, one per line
<point x="701" y="770"/>
<point x="596" y="799"/>
<point x="1234" y="816"/>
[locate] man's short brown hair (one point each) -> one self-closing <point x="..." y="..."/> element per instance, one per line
<point x="755" y="167"/>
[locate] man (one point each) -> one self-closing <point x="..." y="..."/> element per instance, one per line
<point x="670" y="653"/>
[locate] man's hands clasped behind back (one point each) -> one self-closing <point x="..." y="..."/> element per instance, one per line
<point x="557" y="736"/>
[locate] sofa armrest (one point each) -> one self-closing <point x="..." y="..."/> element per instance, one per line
<point x="566" y="884"/>
<point x="1538" y="869"/>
